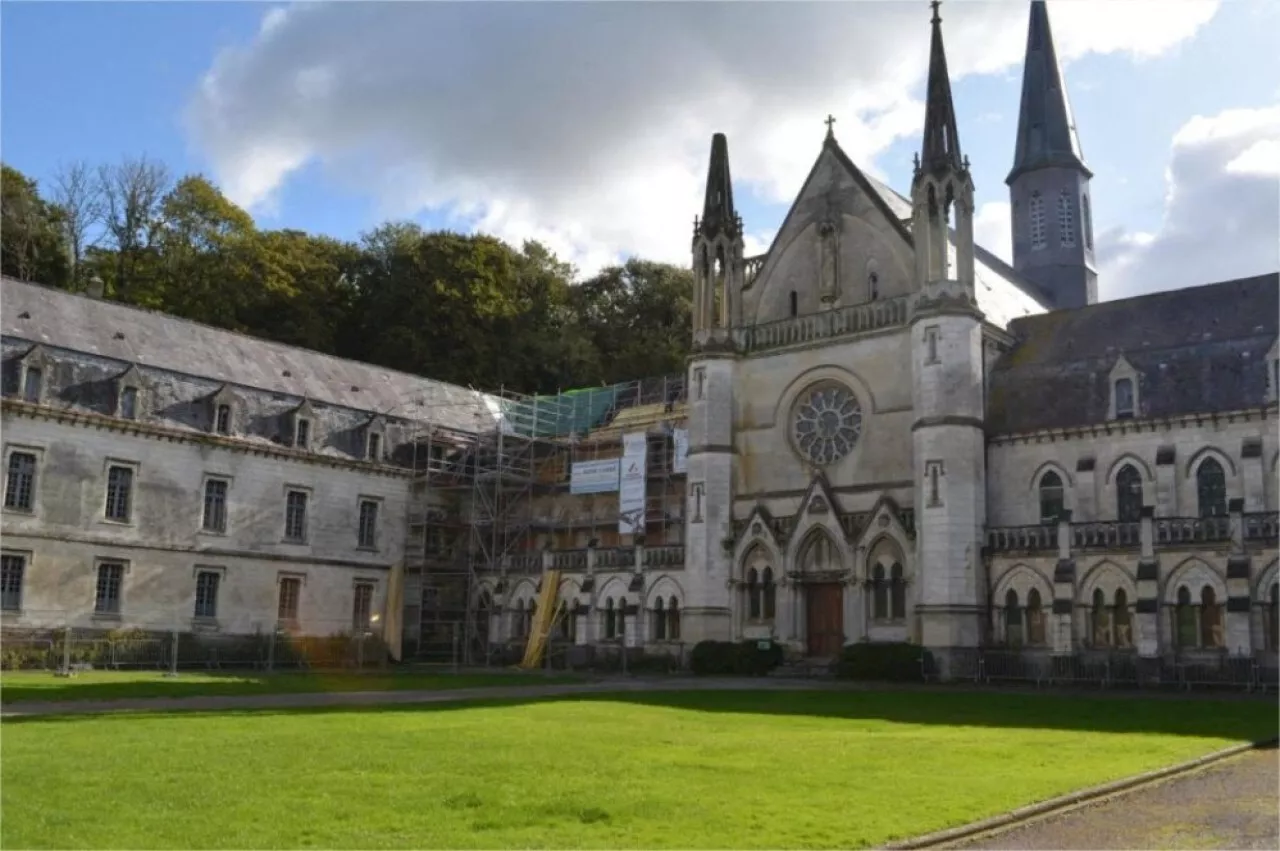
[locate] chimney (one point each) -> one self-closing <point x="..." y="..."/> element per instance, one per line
<point x="95" y="287"/>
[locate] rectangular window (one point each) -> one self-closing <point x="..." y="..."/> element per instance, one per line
<point x="129" y="403"/>
<point x="295" y="516"/>
<point x="368" y="523"/>
<point x="34" y="381"/>
<point x="20" y="481"/>
<point x="12" y="570"/>
<point x="290" y="592"/>
<point x="119" y="493"/>
<point x="215" y="505"/>
<point x="303" y="438"/>
<point x="362" y="607"/>
<point x="222" y="420"/>
<point x="375" y="447"/>
<point x="110" y="582"/>
<point x="207" y="582"/>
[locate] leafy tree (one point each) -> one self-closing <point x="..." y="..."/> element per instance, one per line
<point x="30" y="243"/>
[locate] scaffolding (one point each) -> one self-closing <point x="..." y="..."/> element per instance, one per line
<point x="489" y="503"/>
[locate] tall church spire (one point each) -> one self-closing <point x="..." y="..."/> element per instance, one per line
<point x="940" y="150"/>
<point x="1049" y="192"/>
<point x="718" y="214"/>
<point x="1046" y="128"/>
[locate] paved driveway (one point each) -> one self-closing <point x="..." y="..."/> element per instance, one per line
<point x="1227" y="805"/>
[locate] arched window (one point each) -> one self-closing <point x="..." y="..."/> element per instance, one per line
<point x="1121" y="626"/>
<point x="1087" y="222"/>
<point x="565" y="627"/>
<point x="659" y="621"/>
<point x="1051" y="497"/>
<point x="879" y="594"/>
<point x="873" y="285"/>
<point x="795" y="303"/>
<point x="753" y="594"/>
<point x="673" y="619"/>
<point x="1037" y="222"/>
<point x="1211" y="488"/>
<point x="610" y="619"/>
<point x="1184" y="618"/>
<point x="1012" y="619"/>
<point x="768" y="594"/>
<point x="1101" y="620"/>
<point x="1124" y="398"/>
<point x="621" y="619"/>
<point x="1035" y="618"/>
<point x="897" y="593"/>
<point x="1210" y="619"/>
<point x="1128" y="494"/>
<point x="1066" y="220"/>
<point x="1273" y="618"/>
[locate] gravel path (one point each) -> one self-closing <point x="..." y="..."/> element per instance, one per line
<point x="1227" y="805"/>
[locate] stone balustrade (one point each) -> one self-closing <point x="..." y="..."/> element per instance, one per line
<point x="795" y="330"/>
<point x="638" y="557"/>
<point x="1166" y="532"/>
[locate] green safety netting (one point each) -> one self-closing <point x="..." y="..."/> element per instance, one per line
<point x="560" y="414"/>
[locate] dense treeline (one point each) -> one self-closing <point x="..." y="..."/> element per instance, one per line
<point x="464" y="309"/>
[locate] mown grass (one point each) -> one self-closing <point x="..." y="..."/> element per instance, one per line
<point x="656" y="770"/>
<point x="27" y="686"/>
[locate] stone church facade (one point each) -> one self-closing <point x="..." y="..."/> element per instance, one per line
<point x="890" y="435"/>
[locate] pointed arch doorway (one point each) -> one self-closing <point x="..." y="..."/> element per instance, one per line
<point x="819" y="575"/>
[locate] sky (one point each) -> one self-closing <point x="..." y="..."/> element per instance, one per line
<point x="588" y="125"/>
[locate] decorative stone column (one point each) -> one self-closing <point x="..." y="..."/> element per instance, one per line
<point x="1147" y="606"/>
<point x="1255" y="496"/>
<point x="1064" y="588"/>
<point x="1166" y="482"/>
<point x="1238" y="634"/>
<point x="1086" y="490"/>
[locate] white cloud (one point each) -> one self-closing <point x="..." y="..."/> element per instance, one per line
<point x="1222" y="210"/>
<point x="588" y="125"/>
<point x="993" y="229"/>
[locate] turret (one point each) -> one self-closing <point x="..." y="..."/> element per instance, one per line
<point x="717" y="251"/>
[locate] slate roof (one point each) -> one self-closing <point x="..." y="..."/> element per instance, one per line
<point x="1046" y="128"/>
<point x="1196" y="350"/>
<point x="148" y="338"/>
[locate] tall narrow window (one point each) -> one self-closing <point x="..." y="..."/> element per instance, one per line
<point x="215" y="505"/>
<point x="295" y="517"/>
<point x="129" y="403"/>
<point x="222" y="419"/>
<point x="768" y="591"/>
<point x="795" y="303"/>
<point x="1128" y="494"/>
<point x="873" y="286"/>
<point x="1211" y="488"/>
<point x="1184" y="617"/>
<point x="375" y="447"/>
<point x="1273" y="617"/>
<point x="1035" y="618"/>
<point x="108" y="591"/>
<point x="753" y="594"/>
<point x="1037" y="222"/>
<point x="20" y="482"/>
<point x="33" y="384"/>
<point x="207" y="582"/>
<point x="659" y="620"/>
<point x="1012" y="619"/>
<point x="673" y="619"/>
<point x="368" y="535"/>
<point x="1124" y="398"/>
<point x="897" y="593"/>
<point x="362" y="607"/>
<point x="1122" y="627"/>
<point x="1066" y="220"/>
<point x="119" y="493"/>
<point x="1210" y="619"/>
<point x="12" y="571"/>
<point x="302" y="437"/>
<point x="610" y="619"/>
<point x="879" y="594"/>
<point x="1101" y="618"/>
<point x="290" y="593"/>
<point x="1051" y="497"/>
<point x="1087" y="222"/>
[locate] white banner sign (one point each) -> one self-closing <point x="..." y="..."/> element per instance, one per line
<point x="631" y="488"/>
<point x="594" y="476"/>
<point x="680" y="443"/>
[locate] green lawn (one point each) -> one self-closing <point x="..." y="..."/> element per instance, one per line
<point x="657" y="770"/>
<point x="25" y="686"/>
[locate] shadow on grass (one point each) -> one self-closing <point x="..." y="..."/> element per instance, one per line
<point x="1239" y="720"/>
<point x="25" y="688"/>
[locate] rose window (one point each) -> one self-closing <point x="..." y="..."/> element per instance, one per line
<point x="827" y="424"/>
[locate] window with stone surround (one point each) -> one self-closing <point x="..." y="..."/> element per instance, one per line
<point x="13" y="569"/>
<point x="659" y="620"/>
<point x="129" y="403"/>
<point x="222" y="419"/>
<point x="897" y="593"/>
<point x="1197" y="623"/>
<point x="295" y="516"/>
<point x="207" y="583"/>
<point x="610" y="619"/>
<point x="119" y="493"/>
<point x="109" y="590"/>
<point x="32" y="384"/>
<point x="1124" y="401"/>
<point x="1110" y="623"/>
<point x="1012" y="619"/>
<point x="1128" y="494"/>
<point x="290" y="595"/>
<point x="367" y="537"/>
<point x="215" y="506"/>
<point x="673" y="619"/>
<point x="362" y="607"/>
<point x="1211" y="488"/>
<point x="20" y="481"/>
<point x="1035" y="618"/>
<point x="1051" y="497"/>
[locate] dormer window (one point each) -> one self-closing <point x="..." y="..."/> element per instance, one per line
<point x="222" y="419"/>
<point x="302" y="433"/>
<point x="32" y="384"/>
<point x="129" y="403"/>
<point x="1124" y="398"/>
<point x="374" y="452"/>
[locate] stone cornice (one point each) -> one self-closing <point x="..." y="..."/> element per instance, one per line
<point x="134" y="428"/>
<point x="1148" y="425"/>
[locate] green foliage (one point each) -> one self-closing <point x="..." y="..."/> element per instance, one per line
<point x="746" y="658"/>
<point x="887" y="662"/>
<point x="466" y="309"/>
